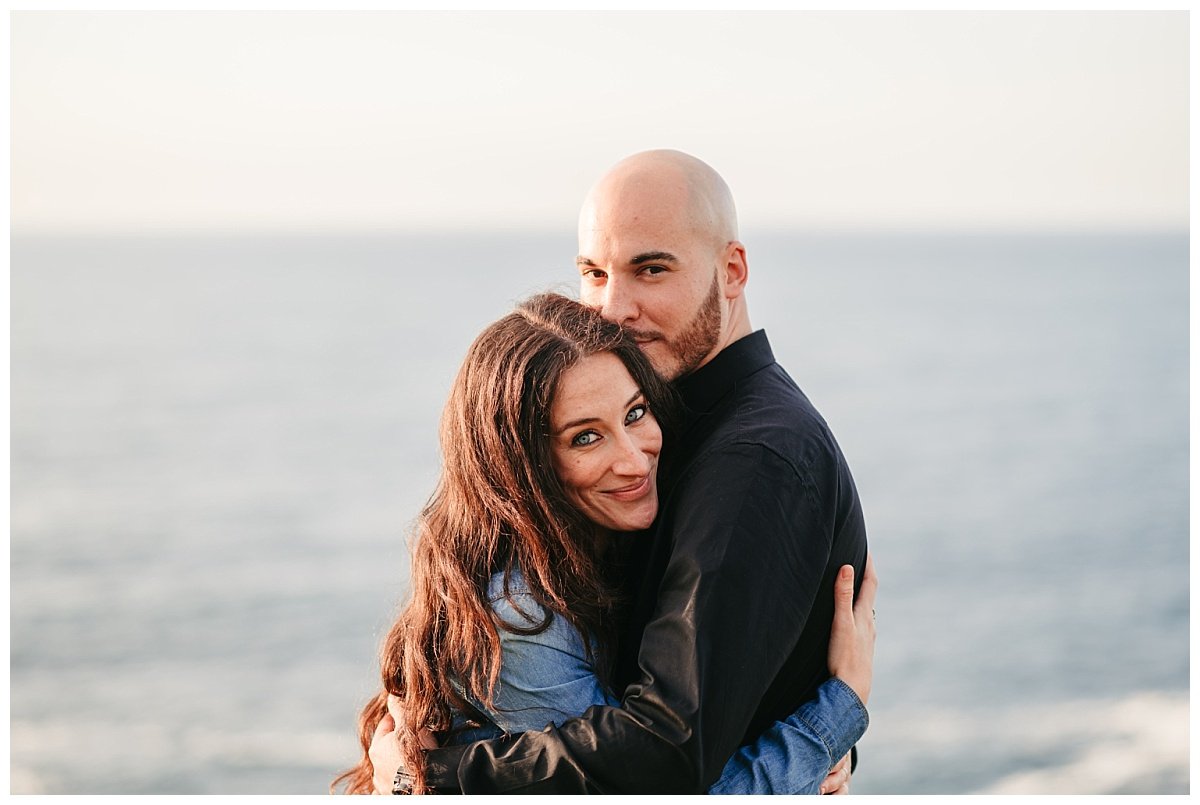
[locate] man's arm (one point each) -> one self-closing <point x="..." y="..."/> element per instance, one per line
<point x="547" y="677"/>
<point x="751" y="549"/>
<point x="793" y="755"/>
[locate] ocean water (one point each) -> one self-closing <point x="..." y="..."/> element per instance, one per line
<point x="218" y="445"/>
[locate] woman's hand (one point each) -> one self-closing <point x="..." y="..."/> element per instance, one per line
<point x="852" y="642"/>
<point x="838" y="781"/>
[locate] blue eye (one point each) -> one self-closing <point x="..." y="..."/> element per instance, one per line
<point x="636" y="413"/>
<point x="585" y="438"/>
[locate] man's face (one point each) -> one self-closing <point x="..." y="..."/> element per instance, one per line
<point x="648" y="271"/>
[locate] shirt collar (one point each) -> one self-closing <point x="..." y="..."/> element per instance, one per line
<point x="703" y="388"/>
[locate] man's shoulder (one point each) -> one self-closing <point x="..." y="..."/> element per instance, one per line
<point x="772" y="390"/>
<point x="769" y="411"/>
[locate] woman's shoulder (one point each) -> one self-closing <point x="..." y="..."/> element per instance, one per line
<point x="511" y="600"/>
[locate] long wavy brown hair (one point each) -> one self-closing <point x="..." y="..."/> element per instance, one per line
<point x="498" y="505"/>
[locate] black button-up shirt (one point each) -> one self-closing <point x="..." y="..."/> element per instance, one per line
<point x="730" y="624"/>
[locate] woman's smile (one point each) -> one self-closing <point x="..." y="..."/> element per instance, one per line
<point x="632" y="492"/>
<point x="605" y="443"/>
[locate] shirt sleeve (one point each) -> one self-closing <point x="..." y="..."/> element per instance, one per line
<point x="793" y="756"/>
<point x="750" y="545"/>
<point x="545" y="678"/>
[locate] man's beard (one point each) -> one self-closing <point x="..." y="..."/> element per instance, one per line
<point x="700" y="337"/>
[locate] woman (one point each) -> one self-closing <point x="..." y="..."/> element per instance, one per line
<point x="551" y="445"/>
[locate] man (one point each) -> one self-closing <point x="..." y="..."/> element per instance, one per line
<point x="732" y="595"/>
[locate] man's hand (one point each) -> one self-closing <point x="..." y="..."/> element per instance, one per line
<point x="386" y="757"/>
<point x="838" y="780"/>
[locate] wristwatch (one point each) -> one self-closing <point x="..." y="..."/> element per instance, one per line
<point x="403" y="782"/>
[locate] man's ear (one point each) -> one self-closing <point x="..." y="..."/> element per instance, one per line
<point x="735" y="270"/>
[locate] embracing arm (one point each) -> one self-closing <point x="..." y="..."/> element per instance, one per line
<point x="546" y="678"/>
<point x="793" y="755"/>
<point x="720" y="635"/>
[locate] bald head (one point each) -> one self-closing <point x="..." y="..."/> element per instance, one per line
<point x="665" y="182"/>
<point x="659" y="254"/>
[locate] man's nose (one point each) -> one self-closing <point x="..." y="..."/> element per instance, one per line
<point x="618" y="303"/>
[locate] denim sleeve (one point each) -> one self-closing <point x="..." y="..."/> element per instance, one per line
<point x="793" y="756"/>
<point x="545" y="677"/>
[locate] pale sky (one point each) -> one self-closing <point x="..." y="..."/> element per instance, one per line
<point x="404" y="119"/>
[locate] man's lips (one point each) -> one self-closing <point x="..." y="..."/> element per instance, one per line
<point x="643" y="338"/>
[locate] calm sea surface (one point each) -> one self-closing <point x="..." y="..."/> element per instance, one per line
<point x="218" y="445"/>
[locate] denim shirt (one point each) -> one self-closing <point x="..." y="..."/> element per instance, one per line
<point x="546" y="678"/>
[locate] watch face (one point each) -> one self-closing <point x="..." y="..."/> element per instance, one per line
<point x="403" y="782"/>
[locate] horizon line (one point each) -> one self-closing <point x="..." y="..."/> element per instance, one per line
<point x="811" y="229"/>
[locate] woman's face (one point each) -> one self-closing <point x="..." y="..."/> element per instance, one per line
<point x="605" y="444"/>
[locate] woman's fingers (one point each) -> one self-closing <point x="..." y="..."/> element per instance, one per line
<point x="426" y="739"/>
<point x="852" y="638"/>
<point x="844" y="604"/>
<point x="386" y="724"/>
<point x="396" y="715"/>
<point x="395" y="708"/>
<point x="865" y="606"/>
<point x="843" y="595"/>
<point x="838" y="778"/>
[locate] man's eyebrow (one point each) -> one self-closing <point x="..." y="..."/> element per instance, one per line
<point x="646" y="257"/>
<point x="577" y="422"/>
